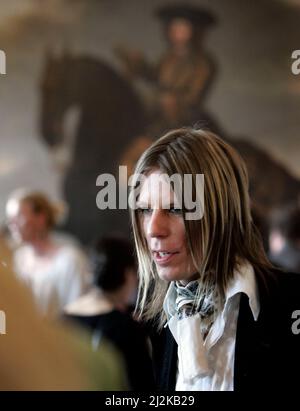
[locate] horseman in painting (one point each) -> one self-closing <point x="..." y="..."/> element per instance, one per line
<point x="109" y="117"/>
<point x="112" y="129"/>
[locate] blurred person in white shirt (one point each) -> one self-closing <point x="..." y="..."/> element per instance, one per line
<point x="55" y="270"/>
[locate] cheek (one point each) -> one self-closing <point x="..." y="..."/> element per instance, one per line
<point x="180" y="233"/>
<point x="143" y="226"/>
<point x="187" y="260"/>
<point x="144" y="229"/>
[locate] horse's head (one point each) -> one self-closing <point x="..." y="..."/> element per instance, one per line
<point x="57" y="95"/>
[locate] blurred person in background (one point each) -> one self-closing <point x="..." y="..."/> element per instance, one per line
<point x="284" y="238"/>
<point x="104" y="310"/>
<point x="56" y="270"/>
<point x="6" y="251"/>
<point x="39" y="355"/>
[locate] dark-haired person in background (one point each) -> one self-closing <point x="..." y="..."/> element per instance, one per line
<point x="39" y="355"/>
<point x="284" y="239"/>
<point x="104" y="310"/>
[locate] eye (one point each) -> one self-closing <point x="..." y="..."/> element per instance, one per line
<point x="176" y="211"/>
<point x="144" y="210"/>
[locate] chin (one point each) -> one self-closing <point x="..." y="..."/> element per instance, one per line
<point x="169" y="275"/>
<point x="176" y="274"/>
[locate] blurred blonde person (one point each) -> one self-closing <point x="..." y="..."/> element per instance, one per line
<point x="6" y="252"/>
<point x="56" y="271"/>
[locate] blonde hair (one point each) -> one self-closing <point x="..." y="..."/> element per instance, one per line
<point x="223" y="238"/>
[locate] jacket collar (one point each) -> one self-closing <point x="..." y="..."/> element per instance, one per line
<point x="253" y="338"/>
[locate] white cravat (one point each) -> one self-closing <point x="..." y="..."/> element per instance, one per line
<point x="209" y="365"/>
<point x="192" y="362"/>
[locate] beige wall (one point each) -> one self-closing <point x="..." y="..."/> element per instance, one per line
<point x="255" y="94"/>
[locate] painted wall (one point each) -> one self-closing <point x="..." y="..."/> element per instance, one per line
<point x="255" y="95"/>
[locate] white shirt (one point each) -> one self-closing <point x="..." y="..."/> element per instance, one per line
<point x="54" y="281"/>
<point x="209" y="365"/>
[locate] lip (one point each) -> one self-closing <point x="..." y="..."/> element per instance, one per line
<point x="165" y="259"/>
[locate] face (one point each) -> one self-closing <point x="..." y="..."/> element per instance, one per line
<point x="163" y="227"/>
<point x="23" y="223"/>
<point x="180" y="32"/>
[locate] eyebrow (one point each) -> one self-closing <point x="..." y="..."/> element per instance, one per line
<point x="142" y="204"/>
<point x="147" y="205"/>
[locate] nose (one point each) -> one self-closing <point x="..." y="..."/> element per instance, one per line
<point x="157" y="225"/>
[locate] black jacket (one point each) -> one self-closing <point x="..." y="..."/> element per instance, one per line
<point x="129" y="338"/>
<point x="267" y="352"/>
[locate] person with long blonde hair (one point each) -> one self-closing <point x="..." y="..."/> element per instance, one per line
<point x="221" y="314"/>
